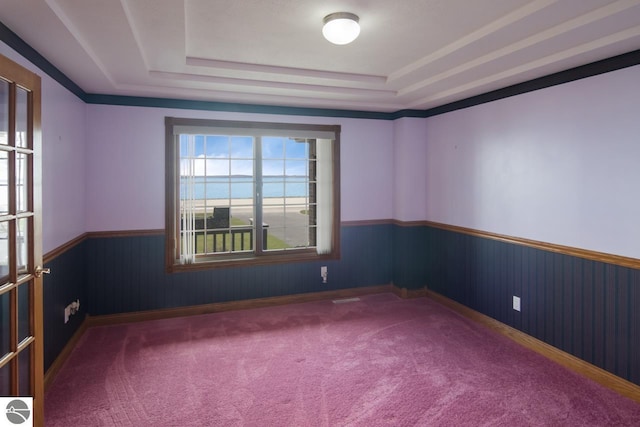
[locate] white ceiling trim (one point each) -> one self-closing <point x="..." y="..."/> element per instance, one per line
<point x="75" y="32"/>
<point x="198" y="93"/>
<point x="473" y="37"/>
<point x="416" y="54"/>
<point x="547" y="60"/>
<point x="134" y="30"/>
<point x="300" y="72"/>
<point x="548" y="34"/>
<point x="232" y="81"/>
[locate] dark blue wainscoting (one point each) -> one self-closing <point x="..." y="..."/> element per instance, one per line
<point x="65" y="284"/>
<point x="583" y="307"/>
<point x="126" y="274"/>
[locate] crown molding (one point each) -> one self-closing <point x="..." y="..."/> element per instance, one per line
<point x="618" y="62"/>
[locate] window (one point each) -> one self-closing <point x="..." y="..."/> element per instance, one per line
<point x="244" y="193"/>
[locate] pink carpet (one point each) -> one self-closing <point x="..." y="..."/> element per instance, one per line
<point x="382" y="361"/>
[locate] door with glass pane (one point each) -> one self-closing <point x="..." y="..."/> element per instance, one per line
<point x="21" y="352"/>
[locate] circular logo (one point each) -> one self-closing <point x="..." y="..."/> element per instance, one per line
<point x="17" y="412"/>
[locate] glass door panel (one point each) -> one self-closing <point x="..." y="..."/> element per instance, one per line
<point x="5" y="380"/>
<point x="24" y="312"/>
<point x="21" y="357"/>
<point x="5" y="328"/>
<point x="22" y="245"/>
<point x="22" y="182"/>
<point x="4" y="182"/>
<point x="24" y="374"/>
<point x="22" y="117"/>
<point x="4" y="112"/>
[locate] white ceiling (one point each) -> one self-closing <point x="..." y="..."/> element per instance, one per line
<point x="411" y="54"/>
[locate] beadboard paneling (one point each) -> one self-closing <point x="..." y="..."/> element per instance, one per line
<point x="584" y="307"/>
<point x="126" y="274"/>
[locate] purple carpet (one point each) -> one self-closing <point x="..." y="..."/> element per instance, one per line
<point x="380" y="361"/>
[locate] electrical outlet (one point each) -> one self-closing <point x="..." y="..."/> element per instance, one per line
<point x="516" y="303"/>
<point x="324" y="273"/>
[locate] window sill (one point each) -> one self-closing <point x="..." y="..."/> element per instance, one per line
<point x="211" y="263"/>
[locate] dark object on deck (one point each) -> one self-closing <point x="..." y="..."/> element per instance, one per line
<point x="220" y="219"/>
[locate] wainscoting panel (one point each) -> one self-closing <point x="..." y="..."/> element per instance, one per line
<point x="65" y="284"/>
<point x="127" y="274"/>
<point x="586" y="308"/>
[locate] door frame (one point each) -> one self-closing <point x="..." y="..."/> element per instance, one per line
<point x="18" y="76"/>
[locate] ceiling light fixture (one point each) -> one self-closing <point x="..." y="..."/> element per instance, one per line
<point x="341" y="27"/>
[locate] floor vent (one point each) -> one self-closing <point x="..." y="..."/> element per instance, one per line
<point x="342" y="301"/>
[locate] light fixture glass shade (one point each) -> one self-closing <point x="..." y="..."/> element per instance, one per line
<point x="341" y="27"/>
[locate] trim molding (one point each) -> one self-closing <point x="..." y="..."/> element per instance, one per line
<point x="51" y="255"/>
<point x="217" y="307"/>
<point x="409" y="293"/>
<point x="550" y="247"/>
<point x="366" y="222"/>
<point x="16" y="43"/>
<point x="614" y="63"/>
<point x="57" y="364"/>
<point x="588" y="70"/>
<point x="599" y="375"/>
<point x="618" y="62"/>
<point x="183" y="104"/>
<point x="124" y="233"/>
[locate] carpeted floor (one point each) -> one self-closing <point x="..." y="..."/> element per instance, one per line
<point x="380" y="361"/>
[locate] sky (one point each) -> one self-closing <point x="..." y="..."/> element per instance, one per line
<point x="233" y="155"/>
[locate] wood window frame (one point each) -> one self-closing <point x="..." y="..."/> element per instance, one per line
<point x="172" y="227"/>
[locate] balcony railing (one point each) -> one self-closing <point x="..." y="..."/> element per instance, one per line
<point x="234" y="238"/>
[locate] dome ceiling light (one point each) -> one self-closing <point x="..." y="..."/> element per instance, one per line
<point x="341" y="27"/>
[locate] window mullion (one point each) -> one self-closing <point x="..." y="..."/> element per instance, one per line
<point x="257" y="194"/>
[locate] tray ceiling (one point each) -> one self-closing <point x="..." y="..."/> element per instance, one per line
<point x="411" y="54"/>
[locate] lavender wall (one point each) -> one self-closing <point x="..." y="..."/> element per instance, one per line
<point x="558" y="165"/>
<point x="409" y="188"/>
<point x="63" y="165"/>
<point x="125" y="165"/>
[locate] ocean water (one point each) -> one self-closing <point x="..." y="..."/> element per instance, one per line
<point x="241" y="187"/>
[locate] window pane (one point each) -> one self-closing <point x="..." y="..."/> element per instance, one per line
<point x="242" y="188"/>
<point x="297" y="236"/>
<point x="5" y="343"/>
<point x="273" y="167"/>
<point x="272" y="187"/>
<point x="4" y="112"/>
<point x="22" y="244"/>
<point x="217" y="188"/>
<point x="242" y="167"/>
<point x="4" y="183"/>
<point x="4" y="251"/>
<point x="24" y="365"/>
<point x="24" y="292"/>
<point x="296" y="149"/>
<point x="242" y="147"/>
<point x="5" y="380"/>
<point x="22" y="182"/>
<point x="272" y="148"/>
<point x="217" y="146"/>
<point x="297" y="168"/>
<point x="199" y="145"/>
<point x="296" y="187"/>
<point x="218" y="167"/>
<point x="22" y="108"/>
